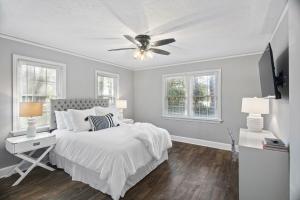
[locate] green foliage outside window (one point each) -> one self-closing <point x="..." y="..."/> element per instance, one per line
<point x="176" y="95"/>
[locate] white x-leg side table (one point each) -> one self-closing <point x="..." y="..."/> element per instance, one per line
<point x="22" y="144"/>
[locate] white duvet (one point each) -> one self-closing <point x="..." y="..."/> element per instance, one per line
<point x="114" y="153"/>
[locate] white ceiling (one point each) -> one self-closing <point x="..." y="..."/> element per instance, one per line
<point x="203" y="29"/>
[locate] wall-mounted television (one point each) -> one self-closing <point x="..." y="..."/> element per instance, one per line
<point x="270" y="79"/>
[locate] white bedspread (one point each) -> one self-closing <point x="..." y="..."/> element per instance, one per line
<point x="157" y="140"/>
<point x="114" y="153"/>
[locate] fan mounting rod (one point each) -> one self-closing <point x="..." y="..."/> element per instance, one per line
<point x="144" y="40"/>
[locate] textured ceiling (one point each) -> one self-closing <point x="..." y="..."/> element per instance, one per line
<point x="203" y="28"/>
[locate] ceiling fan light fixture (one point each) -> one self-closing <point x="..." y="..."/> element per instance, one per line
<point x="137" y="54"/>
<point x="142" y="54"/>
<point x="144" y="46"/>
<point x="149" y="54"/>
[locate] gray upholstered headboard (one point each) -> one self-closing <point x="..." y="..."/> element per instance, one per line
<point x="79" y="104"/>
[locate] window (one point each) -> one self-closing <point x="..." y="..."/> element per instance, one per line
<point x="176" y="95"/>
<point x="36" y="80"/>
<point x="194" y="95"/>
<point x="107" y="86"/>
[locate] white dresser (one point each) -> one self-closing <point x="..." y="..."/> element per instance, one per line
<point x="263" y="174"/>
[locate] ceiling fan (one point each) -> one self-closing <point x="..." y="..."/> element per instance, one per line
<point x="138" y="22"/>
<point x="144" y="46"/>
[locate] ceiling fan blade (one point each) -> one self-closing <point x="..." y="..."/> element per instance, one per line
<point x="163" y="42"/>
<point x="131" y="39"/>
<point x="131" y="14"/>
<point x="104" y="38"/>
<point x="190" y="20"/>
<point x="120" y="49"/>
<point x="160" y="51"/>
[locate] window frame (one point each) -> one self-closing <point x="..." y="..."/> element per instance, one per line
<point x="110" y="75"/>
<point x="39" y="62"/>
<point x="188" y="77"/>
<point x="175" y="76"/>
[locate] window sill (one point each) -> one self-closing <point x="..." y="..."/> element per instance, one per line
<point x="192" y="119"/>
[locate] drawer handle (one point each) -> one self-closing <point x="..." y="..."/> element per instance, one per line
<point x="36" y="143"/>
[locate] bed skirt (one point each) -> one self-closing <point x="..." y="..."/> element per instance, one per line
<point x="90" y="177"/>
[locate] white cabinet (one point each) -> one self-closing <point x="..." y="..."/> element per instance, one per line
<point x="263" y="174"/>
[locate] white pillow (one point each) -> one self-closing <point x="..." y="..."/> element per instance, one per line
<point x="101" y="111"/>
<point x="60" y="122"/>
<point x="78" y="119"/>
<point x="68" y="122"/>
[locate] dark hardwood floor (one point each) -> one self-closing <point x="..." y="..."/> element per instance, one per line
<point x="192" y="172"/>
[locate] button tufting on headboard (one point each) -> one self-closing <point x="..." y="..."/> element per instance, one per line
<point x="79" y="104"/>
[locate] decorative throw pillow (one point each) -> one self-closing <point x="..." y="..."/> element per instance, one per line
<point x="101" y="111"/>
<point x="101" y="122"/>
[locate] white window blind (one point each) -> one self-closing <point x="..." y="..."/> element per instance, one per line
<point x="194" y="95"/>
<point x="36" y="80"/>
<point x="176" y="95"/>
<point x="107" y="86"/>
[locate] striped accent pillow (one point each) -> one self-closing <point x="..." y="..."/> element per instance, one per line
<point x="101" y="122"/>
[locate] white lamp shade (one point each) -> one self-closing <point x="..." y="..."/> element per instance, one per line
<point x="122" y="104"/>
<point x="255" y="105"/>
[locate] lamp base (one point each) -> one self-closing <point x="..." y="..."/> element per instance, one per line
<point x="255" y="123"/>
<point x="31" y="129"/>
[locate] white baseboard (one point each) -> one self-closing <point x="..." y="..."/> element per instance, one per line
<point x="206" y="143"/>
<point x="4" y="172"/>
<point x="7" y="171"/>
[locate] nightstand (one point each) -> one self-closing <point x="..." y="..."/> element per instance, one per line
<point x="127" y="121"/>
<point x="22" y="144"/>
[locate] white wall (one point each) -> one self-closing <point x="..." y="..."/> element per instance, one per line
<point x="294" y="38"/>
<point x="239" y="79"/>
<point x="80" y="83"/>
<point x="278" y="119"/>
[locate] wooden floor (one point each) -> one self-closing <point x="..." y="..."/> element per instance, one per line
<point x="192" y="172"/>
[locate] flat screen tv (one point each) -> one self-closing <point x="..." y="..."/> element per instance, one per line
<point x="269" y="81"/>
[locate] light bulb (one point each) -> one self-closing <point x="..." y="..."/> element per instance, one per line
<point x="149" y="54"/>
<point x="142" y="56"/>
<point x="137" y="54"/>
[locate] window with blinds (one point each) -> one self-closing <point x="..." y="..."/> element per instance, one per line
<point x="195" y="95"/>
<point x="107" y="86"/>
<point x="36" y="80"/>
<point x="176" y="95"/>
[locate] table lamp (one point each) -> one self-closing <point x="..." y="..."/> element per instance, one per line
<point x="31" y="110"/>
<point x="121" y="104"/>
<point x="255" y="107"/>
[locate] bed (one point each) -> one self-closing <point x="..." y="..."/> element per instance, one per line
<point x="111" y="160"/>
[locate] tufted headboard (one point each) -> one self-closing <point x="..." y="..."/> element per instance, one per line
<point x="78" y="104"/>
